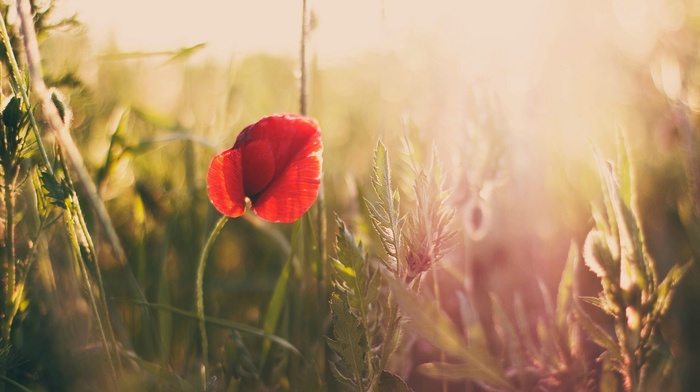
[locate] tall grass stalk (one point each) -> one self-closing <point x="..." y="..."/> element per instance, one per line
<point x="318" y="227"/>
<point x="57" y="119"/>
<point x="59" y="128"/>
<point x="9" y="251"/>
<point x="71" y="223"/>
<point x="320" y="208"/>
<point x="75" y="217"/>
<point x="303" y="68"/>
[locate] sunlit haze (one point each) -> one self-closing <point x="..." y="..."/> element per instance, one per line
<point x="559" y="69"/>
<point x="530" y="52"/>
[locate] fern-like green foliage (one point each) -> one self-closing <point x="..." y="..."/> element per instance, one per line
<point x="353" y="275"/>
<point x="615" y="251"/>
<point x="354" y="310"/>
<point x="350" y="344"/>
<point x="385" y="216"/>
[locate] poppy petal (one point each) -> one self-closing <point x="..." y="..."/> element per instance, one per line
<point x="258" y="166"/>
<point x="288" y="136"/>
<point x="296" y="142"/>
<point x="291" y="193"/>
<point x="225" y="183"/>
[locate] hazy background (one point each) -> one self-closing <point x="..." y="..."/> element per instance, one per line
<point x="514" y="94"/>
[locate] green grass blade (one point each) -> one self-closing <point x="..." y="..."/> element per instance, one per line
<point x="433" y="325"/>
<point x="14" y="384"/>
<point x="224" y="324"/>
<point x="564" y="293"/>
<point x="279" y="296"/>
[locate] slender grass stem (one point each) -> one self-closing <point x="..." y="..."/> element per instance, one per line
<point x="199" y="290"/>
<point x="42" y="224"/>
<point x="303" y="69"/>
<point x="70" y="224"/>
<point x="14" y="384"/>
<point x="9" y="262"/>
<point x="100" y="285"/>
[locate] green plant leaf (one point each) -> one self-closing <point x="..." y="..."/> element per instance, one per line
<point x="523" y="329"/>
<point x="349" y="343"/>
<point x="279" y="295"/>
<point x="390" y="382"/>
<point x="564" y="293"/>
<point x="12" y="113"/>
<point x="667" y="288"/>
<point x="597" y="302"/>
<point x="427" y="320"/>
<point x="598" y="257"/>
<point x="385" y="213"/>
<point x="352" y="273"/>
<point x="57" y="191"/>
<point x="624" y="169"/>
<point x="433" y="325"/>
<point x="549" y="310"/>
<point x="510" y="338"/>
<point x="597" y="333"/>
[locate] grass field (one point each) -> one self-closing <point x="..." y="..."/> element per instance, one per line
<point x="510" y="202"/>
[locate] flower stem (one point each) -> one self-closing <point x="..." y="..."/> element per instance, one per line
<point x="199" y="290"/>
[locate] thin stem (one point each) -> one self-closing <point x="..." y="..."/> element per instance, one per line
<point x="9" y="254"/>
<point x="70" y="224"/>
<point x="394" y="316"/>
<point x="303" y="82"/>
<point x="13" y="383"/>
<point x="100" y="285"/>
<point x="42" y="224"/>
<point x="199" y="290"/>
<point x="322" y="274"/>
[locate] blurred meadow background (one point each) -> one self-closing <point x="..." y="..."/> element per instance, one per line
<point x="515" y="99"/>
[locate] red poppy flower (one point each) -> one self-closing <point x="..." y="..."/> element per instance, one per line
<point x="275" y="163"/>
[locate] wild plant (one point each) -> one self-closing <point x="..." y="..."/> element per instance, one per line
<point x="367" y="322"/>
<point x="28" y="170"/>
<point x="632" y="295"/>
<point x="374" y="304"/>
